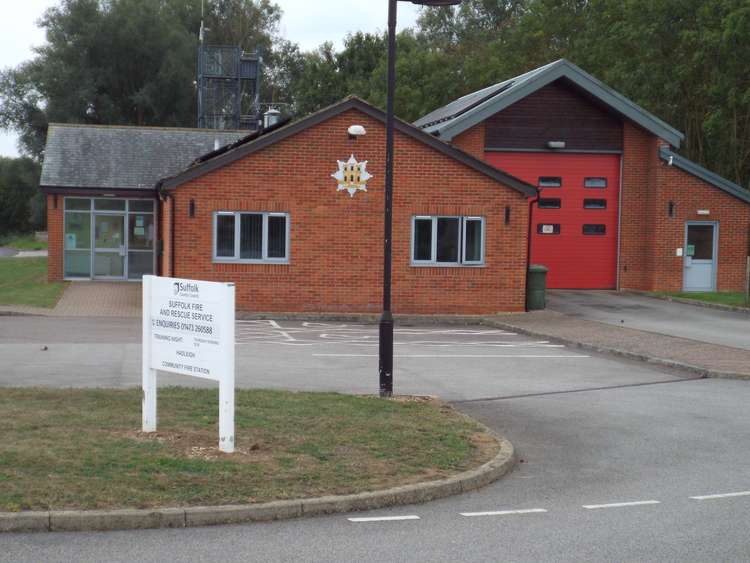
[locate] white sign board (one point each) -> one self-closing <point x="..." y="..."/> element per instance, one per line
<point x="188" y="328"/>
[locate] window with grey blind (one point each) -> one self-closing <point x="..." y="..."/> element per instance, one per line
<point x="447" y="241"/>
<point x="251" y="237"/>
<point x="224" y="236"/>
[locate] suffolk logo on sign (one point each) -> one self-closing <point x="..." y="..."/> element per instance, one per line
<point x="352" y="176"/>
<point x="183" y="289"/>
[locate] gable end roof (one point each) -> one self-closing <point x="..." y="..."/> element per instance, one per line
<point x="464" y="113"/>
<point x="241" y="149"/>
<point x="704" y="174"/>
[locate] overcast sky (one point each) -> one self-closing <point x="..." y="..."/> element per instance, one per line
<point x="306" y="22"/>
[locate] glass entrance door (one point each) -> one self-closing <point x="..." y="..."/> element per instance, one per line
<point x="110" y="247"/>
<point x="141" y="236"/>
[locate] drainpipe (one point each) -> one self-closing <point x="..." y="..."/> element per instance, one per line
<point x="528" y="250"/>
<point x="171" y="235"/>
<point x="619" y="221"/>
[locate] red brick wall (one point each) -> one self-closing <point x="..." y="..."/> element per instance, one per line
<point x="690" y="194"/>
<point x="165" y="231"/>
<point x="336" y="240"/>
<point x="650" y="237"/>
<point x="471" y="141"/>
<point x="636" y="224"/>
<point x="55" y="238"/>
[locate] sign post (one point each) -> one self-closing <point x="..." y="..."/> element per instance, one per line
<point x="188" y="328"/>
<point x="148" y="410"/>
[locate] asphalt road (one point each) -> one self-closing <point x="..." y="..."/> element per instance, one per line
<point x="590" y="431"/>
<point x="727" y="328"/>
<point x="453" y="362"/>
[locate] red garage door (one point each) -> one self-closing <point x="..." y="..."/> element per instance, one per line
<point x="574" y="226"/>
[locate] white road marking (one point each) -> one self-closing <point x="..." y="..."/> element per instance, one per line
<point x="620" y="504"/>
<point x="283" y="333"/>
<point x="384" y="518"/>
<point x="504" y="512"/>
<point x="724" y="495"/>
<point x="451" y="356"/>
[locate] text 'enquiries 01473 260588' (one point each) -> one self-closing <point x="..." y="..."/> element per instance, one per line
<point x="186" y="329"/>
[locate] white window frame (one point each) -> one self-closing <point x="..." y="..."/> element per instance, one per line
<point x="462" y="262"/>
<point x="465" y="220"/>
<point x="264" y="246"/>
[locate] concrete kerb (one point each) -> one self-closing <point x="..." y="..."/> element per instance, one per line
<point x="365" y="318"/>
<point x="126" y="519"/>
<point x="689" y="368"/>
<point x="693" y="302"/>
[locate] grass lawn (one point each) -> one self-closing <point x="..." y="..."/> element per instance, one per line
<point x="83" y="449"/>
<point x="23" y="242"/>
<point x="733" y="298"/>
<point x="23" y="281"/>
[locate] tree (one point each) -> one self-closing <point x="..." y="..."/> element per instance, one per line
<point x="321" y="77"/>
<point x="20" y="199"/>
<point x="122" y="62"/>
<point x="684" y="61"/>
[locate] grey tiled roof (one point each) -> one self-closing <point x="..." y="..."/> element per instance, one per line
<point x="96" y="156"/>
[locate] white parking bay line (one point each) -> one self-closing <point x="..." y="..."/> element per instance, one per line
<point x="555" y="356"/>
<point x="620" y="504"/>
<point x="384" y="518"/>
<point x="723" y="495"/>
<point x="504" y="512"/>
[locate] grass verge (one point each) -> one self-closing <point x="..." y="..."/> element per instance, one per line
<point x="23" y="242"/>
<point x="82" y="449"/>
<point x="23" y="281"/>
<point x="731" y="298"/>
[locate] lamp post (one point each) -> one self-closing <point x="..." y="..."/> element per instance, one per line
<point x="385" y="350"/>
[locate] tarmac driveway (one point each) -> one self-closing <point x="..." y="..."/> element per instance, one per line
<point x="727" y="328"/>
<point x="616" y="461"/>
<point x="454" y="362"/>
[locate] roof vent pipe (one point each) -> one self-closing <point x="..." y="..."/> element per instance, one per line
<point x="271" y="118"/>
<point x="216" y="143"/>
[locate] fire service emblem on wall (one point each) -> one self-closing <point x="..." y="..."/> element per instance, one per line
<point x="352" y="176"/>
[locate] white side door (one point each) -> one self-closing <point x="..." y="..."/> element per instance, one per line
<point x="699" y="270"/>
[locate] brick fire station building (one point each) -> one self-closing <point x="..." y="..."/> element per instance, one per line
<point x="618" y="208"/>
<point x="293" y="215"/>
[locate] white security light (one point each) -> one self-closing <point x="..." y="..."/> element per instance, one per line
<point x="356" y="131"/>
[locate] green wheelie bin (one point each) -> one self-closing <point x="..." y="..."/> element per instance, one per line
<point x="536" y="287"/>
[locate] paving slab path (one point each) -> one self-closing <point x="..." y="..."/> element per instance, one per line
<point x="683" y="320"/>
<point x="611" y="338"/>
<point x="90" y="299"/>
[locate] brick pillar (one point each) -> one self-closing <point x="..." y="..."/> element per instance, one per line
<point x="165" y="236"/>
<point x="55" y="227"/>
